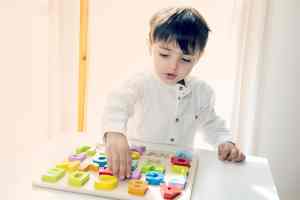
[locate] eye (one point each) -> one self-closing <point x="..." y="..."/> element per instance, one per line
<point x="163" y="55"/>
<point x="186" y="60"/>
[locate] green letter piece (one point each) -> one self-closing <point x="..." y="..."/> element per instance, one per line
<point x="78" y="178"/>
<point x="53" y="175"/>
<point x="82" y="149"/>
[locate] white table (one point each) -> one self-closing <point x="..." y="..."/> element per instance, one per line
<point x="215" y="180"/>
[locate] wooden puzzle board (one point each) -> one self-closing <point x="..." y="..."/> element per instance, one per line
<point x="121" y="192"/>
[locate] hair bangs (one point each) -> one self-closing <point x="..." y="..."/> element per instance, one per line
<point x="183" y="29"/>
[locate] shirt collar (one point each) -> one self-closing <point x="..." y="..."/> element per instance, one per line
<point x="183" y="89"/>
<point x="182" y="86"/>
<point x="182" y="82"/>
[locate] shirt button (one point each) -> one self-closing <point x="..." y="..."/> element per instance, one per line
<point x="177" y="120"/>
<point x="178" y="98"/>
<point x="172" y="139"/>
<point x="180" y="88"/>
<point x="196" y="116"/>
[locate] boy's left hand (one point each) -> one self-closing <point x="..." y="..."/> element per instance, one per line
<point x="228" y="151"/>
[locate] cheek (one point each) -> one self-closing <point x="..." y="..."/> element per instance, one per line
<point x="185" y="69"/>
<point x="159" y="63"/>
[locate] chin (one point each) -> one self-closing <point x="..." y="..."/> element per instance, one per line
<point x="169" y="82"/>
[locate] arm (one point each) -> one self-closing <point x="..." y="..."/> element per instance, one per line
<point x="216" y="132"/>
<point x="119" y="107"/>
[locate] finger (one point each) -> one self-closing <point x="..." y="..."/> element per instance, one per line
<point x="225" y="152"/>
<point x="128" y="171"/>
<point x="241" y="157"/>
<point x="109" y="156"/>
<point x="115" y="164"/>
<point x="123" y="165"/>
<point x="234" y="153"/>
<point x="220" y="150"/>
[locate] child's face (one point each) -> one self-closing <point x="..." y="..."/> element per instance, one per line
<point x="171" y="65"/>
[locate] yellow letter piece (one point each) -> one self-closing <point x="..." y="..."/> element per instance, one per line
<point x="84" y="166"/>
<point x="73" y="166"/>
<point x="106" y="182"/>
<point x="69" y="166"/>
<point x="63" y="165"/>
<point x="137" y="187"/>
<point x="93" y="167"/>
<point x="135" y="155"/>
<point x="178" y="169"/>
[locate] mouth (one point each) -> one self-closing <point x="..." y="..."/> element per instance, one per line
<point x="170" y="76"/>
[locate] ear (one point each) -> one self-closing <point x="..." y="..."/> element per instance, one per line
<point x="149" y="45"/>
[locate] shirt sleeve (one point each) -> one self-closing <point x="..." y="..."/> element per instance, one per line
<point x="213" y="127"/>
<point x="119" y="106"/>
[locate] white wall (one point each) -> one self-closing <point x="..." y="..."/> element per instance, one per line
<point x="278" y="133"/>
<point x="23" y="85"/>
<point x="118" y="47"/>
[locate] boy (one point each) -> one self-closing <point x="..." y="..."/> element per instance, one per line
<point x="168" y="105"/>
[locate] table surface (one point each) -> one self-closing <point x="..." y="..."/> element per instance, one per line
<point x="214" y="179"/>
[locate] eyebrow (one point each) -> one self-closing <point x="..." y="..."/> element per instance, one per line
<point x="166" y="48"/>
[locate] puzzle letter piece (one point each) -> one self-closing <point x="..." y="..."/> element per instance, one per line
<point x="69" y="166"/>
<point x="134" y="164"/>
<point x="105" y="171"/>
<point x="136" y="174"/>
<point x="75" y="157"/>
<point x="78" y="178"/>
<point x="179" y="182"/>
<point x="102" y="154"/>
<point x="82" y="149"/>
<point x="178" y="169"/>
<point x="169" y="192"/>
<point x="73" y="166"/>
<point x="160" y="168"/>
<point x="101" y="161"/>
<point x="184" y="154"/>
<point x="90" y="152"/>
<point x="154" y="178"/>
<point x="63" y="165"/>
<point x="93" y="167"/>
<point x="180" y="161"/>
<point x="106" y="182"/>
<point x="135" y="155"/>
<point x="140" y="149"/>
<point x="53" y="175"/>
<point x="137" y="187"/>
<point x="147" y="166"/>
<point x="84" y="166"/>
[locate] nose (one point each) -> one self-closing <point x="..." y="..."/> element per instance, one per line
<point x="174" y="66"/>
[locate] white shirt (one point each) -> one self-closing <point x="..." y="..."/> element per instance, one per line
<point x="161" y="113"/>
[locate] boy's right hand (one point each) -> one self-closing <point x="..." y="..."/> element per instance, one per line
<point x="117" y="150"/>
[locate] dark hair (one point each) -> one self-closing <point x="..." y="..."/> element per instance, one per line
<point x="184" y="25"/>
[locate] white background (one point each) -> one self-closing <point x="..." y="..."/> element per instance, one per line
<point x="30" y="96"/>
